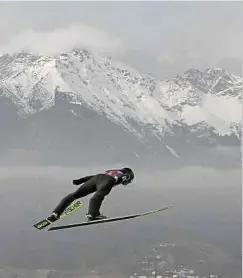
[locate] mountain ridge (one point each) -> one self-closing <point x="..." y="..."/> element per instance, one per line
<point x="195" y="109"/>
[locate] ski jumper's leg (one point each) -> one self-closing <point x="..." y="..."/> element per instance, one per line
<point x="84" y="190"/>
<point x="104" y="186"/>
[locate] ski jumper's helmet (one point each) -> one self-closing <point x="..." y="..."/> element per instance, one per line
<point x="128" y="175"/>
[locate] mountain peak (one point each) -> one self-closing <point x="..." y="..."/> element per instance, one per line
<point x="111" y="88"/>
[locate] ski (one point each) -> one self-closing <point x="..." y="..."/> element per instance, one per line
<point x="86" y="223"/>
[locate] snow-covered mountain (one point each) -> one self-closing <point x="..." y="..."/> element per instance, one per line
<point x="198" y="106"/>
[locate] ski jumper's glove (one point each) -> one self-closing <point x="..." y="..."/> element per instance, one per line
<point x="76" y="182"/>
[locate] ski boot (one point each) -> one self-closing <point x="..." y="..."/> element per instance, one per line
<point x="97" y="217"/>
<point x="53" y="217"/>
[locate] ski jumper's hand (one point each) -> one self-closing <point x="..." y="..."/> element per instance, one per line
<point x="76" y="182"/>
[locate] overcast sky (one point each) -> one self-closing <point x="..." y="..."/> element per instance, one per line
<point x="164" y="38"/>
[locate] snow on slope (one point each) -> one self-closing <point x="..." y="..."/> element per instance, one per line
<point x="121" y="93"/>
<point x="200" y="98"/>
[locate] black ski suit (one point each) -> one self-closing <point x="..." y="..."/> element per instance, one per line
<point x="101" y="184"/>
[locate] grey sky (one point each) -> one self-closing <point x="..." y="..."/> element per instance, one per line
<point x="164" y="38"/>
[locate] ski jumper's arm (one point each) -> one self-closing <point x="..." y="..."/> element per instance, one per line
<point x="82" y="180"/>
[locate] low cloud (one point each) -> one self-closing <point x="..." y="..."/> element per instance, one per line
<point x="208" y="41"/>
<point x="61" y="40"/>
